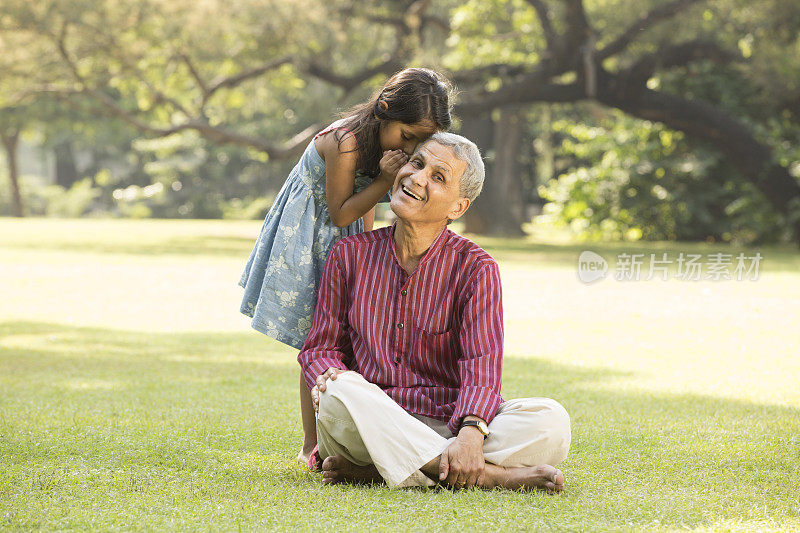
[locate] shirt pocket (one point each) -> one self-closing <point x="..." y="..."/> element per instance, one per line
<point x="435" y="357"/>
<point x="436" y="317"/>
<point x="435" y="349"/>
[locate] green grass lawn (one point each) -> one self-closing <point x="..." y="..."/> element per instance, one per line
<point x="134" y="396"/>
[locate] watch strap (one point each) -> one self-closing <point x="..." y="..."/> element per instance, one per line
<point x="475" y="424"/>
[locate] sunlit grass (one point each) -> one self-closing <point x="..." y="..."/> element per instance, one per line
<point x="134" y="396"/>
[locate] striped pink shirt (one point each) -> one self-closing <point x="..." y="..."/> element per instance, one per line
<point x="432" y="340"/>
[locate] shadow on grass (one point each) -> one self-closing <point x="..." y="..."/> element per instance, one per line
<point x="225" y="405"/>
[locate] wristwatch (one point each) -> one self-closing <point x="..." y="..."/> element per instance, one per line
<point x="479" y="424"/>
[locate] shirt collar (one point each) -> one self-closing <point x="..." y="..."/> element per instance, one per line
<point x="438" y="242"/>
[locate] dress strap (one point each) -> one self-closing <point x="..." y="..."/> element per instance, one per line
<point x="331" y="128"/>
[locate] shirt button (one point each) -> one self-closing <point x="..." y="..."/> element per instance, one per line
<point x="403" y="292"/>
<point x="397" y="360"/>
<point x="400" y="325"/>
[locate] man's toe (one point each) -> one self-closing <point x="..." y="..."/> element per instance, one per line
<point x="329" y="463"/>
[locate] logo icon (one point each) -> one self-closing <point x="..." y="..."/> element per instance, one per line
<point x="591" y="267"/>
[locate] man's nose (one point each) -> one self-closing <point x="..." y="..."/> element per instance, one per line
<point x="419" y="177"/>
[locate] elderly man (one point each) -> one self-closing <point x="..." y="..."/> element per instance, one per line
<point x="404" y="355"/>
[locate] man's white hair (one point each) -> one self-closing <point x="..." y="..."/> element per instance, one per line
<point x="465" y="150"/>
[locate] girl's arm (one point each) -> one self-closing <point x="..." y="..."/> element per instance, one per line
<point x="369" y="219"/>
<point x="340" y="169"/>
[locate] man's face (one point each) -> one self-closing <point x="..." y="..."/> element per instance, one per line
<point x="427" y="187"/>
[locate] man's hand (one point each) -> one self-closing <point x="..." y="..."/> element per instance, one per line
<point x="390" y="163"/>
<point x="331" y="373"/>
<point x="462" y="464"/>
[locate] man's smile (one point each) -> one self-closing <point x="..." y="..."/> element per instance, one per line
<point x="410" y="193"/>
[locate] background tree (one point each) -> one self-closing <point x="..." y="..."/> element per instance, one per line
<point x="229" y="93"/>
<point x="10" y="130"/>
<point x="606" y="55"/>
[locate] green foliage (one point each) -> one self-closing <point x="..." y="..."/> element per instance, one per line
<point x="54" y="200"/>
<point x="73" y="202"/>
<point x="196" y="179"/>
<point x="134" y="52"/>
<point x="631" y="179"/>
<point x="495" y="31"/>
<point x="624" y="178"/>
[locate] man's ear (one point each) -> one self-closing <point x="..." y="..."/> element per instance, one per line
<point x="459" y="209"/>
<point x="384" y="105"/>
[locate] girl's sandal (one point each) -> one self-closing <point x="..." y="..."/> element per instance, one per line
<point x="314" y="460"/>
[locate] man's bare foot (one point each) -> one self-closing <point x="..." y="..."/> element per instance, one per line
<point x="337" y="469"/>
<point x="542" y="477"/>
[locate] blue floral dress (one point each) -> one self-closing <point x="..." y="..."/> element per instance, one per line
<point x="281" y="278"/>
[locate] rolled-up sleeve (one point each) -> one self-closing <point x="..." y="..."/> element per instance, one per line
<point x="481" y="340"/>
<point x="328" y="342"/>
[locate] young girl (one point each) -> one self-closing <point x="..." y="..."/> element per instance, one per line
<point x="331" y="193"/>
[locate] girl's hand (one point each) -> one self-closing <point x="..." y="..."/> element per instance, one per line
<point x="390" y="163"/>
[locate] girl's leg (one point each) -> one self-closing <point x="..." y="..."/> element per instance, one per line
<point x="309" y="422"/>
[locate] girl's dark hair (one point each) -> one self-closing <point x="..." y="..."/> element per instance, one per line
<point x="410" y="96"/>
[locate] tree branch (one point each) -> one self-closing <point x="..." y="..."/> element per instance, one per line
<point x="159" y="96"/>
<point x="576" y="47"/>
<point x="544" y="19"/>
<point x="397" y="22"/>
<point x="110" y="43"/>
<point x="645" y="22"/>
<point x="348" y="83"/>
<point x="219" y="135"/>
<point x="411" y="20"/>
<point x="222" y="82"/>
<point x="101" y="97"/>
<point x="442" y="24"/>
<point x="480" y="74"/>
<point x="578" y="26"/>
<point x="675" y="56"/>
<point x="216" y="134"/>
<point x="195" y="74"/>
<point x="522" y="92"/>
<point x="708" y="123"/>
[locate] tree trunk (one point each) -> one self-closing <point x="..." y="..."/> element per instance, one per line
<point x="66" y="170"/>
<point x="545" y="150"/>
<point x="499" y="210"/>
<point x="478" y="129"/>
<point x="10" y="142"/>
<point x="505" y="191"/>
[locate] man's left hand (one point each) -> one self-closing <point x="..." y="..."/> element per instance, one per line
<point x="462" y="464"/>
<point x="320" y="386"/>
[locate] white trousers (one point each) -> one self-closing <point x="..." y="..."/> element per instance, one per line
<point x="358" y="421"/>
